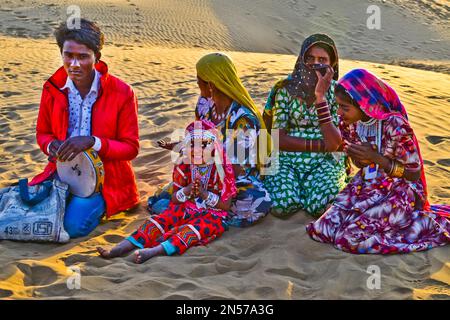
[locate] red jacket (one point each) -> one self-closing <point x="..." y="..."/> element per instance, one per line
<point x="114" y="120"/>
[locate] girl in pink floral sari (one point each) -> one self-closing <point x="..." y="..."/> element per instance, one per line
<point x="384" y="209"/>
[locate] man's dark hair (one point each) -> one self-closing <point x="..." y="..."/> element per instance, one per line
<point x="88" y="34"/>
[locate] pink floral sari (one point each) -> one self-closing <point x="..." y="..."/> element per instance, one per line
<point x="385" y="214"/>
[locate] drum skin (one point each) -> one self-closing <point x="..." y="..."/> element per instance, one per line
<point x="85" y="174"/>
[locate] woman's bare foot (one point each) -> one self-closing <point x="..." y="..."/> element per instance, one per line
<point x="142" y="255"/>
<point x="122" y="248"/>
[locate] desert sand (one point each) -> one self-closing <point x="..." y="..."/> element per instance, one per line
<point x="154" y="45"/>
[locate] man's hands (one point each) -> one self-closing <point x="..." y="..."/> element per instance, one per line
<point x="69" y="149"/>
<point x="54" y="147"/>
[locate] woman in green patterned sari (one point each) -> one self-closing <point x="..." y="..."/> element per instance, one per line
<point x="310" y="173"/>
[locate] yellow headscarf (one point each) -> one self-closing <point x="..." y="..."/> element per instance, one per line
<point x="219" y="69"/>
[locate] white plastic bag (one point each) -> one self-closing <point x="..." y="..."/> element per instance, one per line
<point x="34" y="213"/>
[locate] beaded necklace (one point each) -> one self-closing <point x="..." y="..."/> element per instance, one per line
<point x="204" y="172"/>
<point x="367" y="129"/>
<point x="371" y="128"/>
<point x="216" y="116"/>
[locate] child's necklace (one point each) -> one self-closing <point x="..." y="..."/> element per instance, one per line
<point x="204" y="172"/>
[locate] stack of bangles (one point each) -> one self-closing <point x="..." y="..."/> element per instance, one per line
<point x="397" y="169"/>
<point x="211" y="201"/>
<point x="323" y="113"/>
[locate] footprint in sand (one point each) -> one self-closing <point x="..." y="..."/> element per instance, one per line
<point x="37" y="275"/>
<point x="181" y="91"/>
<point x="444" y="162"/>
<point x="152" y="105"/>
<point x="113" y="238"/>
<point x="254" y="249"/>
<point x="265" y="292"/>
<point x="436" y="139"/>
<point x="160" y="121"/>
<point x="5" y="128"/>
<point x="224" y="265"/>
<point x="74" y="259"/>
<point x="438" y="296"/>
<point x="436" y="97"/>
<point x="7" y="94"/>
<point x="5" y="293"/>
<point x="13" y="115"/>
<point x="187" y="287"/>
<point x="55" y="290"/>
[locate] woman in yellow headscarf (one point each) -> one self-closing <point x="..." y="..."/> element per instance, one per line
<point x="235" y="114"/>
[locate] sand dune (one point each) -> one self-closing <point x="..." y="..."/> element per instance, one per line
<point x="274" y="259"/>
<point x="415" y="30"/>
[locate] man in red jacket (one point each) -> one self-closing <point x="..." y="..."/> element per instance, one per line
<point x="83" y="106"/>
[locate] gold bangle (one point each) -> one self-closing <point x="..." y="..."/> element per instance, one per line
<point x="399" y="169"/>
<point x="391" y="169"/>
<point x="310" y="145"/>
<point x="305" y="143"/>
<point x="395" y="170"/>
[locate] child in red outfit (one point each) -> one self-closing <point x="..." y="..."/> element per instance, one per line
<point x="204" y="185"/>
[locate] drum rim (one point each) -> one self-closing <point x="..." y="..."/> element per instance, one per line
<point x="91" y="161"/>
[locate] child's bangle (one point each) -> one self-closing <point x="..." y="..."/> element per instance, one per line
<point x="212" y="200"/>
<point x="181" y="196"/>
